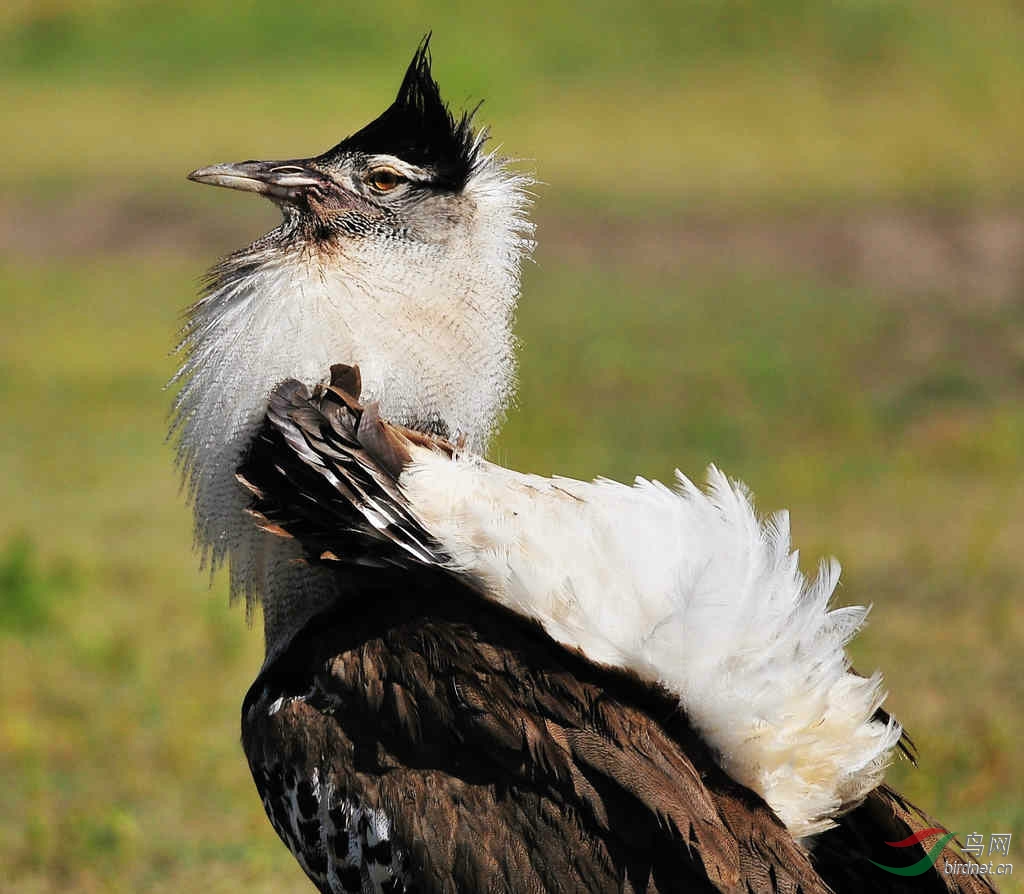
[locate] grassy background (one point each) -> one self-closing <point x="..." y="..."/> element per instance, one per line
<point x="785" y="237"/>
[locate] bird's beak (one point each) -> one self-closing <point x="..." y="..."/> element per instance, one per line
<point x="285" y="180"/>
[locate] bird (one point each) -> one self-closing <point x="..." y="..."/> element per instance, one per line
<point x="477" y="679"/>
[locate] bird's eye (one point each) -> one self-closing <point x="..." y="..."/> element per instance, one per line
<point x="384" y="179"/>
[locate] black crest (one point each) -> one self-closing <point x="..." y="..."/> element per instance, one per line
<point x="419" y="128"/>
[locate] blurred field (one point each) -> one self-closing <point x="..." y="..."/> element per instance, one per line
<point x="783" y="237"/>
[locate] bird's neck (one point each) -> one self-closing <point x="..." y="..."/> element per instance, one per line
<point x="435" y="350"/>
<point x="427" y="315"/>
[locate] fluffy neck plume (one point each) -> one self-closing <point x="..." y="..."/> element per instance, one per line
<point x="430" y="325"/>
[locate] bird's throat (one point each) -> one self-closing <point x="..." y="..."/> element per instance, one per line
<point x="426" y="353"/>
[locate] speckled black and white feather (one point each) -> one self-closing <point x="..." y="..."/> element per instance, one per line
<point x="343" y="845"/>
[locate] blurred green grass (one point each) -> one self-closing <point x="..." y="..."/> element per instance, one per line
<point x="791" y="101"/>
<point x="890" y="422"/>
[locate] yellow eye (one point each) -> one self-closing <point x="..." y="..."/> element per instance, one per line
<point x="384" y="179"/>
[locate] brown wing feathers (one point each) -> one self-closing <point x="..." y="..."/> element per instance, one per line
<point x="323" y="469"/>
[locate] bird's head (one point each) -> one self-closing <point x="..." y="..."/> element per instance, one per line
<point x="410" y="175"/>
